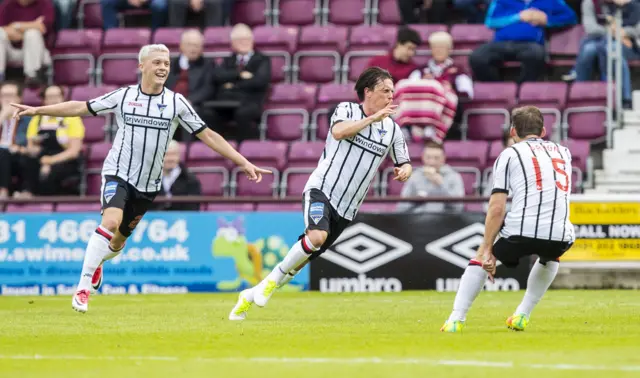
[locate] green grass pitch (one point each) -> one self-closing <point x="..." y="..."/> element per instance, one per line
<point x="572" y="334"/>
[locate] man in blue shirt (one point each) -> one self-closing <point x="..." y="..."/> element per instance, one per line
<point x="519" y="35"/>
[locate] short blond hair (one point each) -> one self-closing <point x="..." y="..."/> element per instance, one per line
<point x="148" y="49"/>
<point x="441" y="37"/>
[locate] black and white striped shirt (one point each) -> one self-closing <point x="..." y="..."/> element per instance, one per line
<point x="538" y="174"/>
<point x="146" y="124"/>
<point x="347" y="167"/>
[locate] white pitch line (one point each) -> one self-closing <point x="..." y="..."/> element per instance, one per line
<point x="332" y="360"/>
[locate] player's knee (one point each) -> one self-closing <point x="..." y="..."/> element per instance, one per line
<point x="317" y="237"/>
<point x="110" y="224"/>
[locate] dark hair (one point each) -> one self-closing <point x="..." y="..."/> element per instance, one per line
<point x="43" y="91"/>
<point x="406" y="34"/>
<point x="14" y="83"/>
<point x="369" y="78"/>
<point x="527" y="120"/>
<point x="433" y="144"/>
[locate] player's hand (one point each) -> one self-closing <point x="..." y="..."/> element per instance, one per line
<point x="403" y="173"/>
<point x="489" y="262"/>
<point x="46" y="160"/>
<point x="246" y="75"/>
<point x="384" y="113"/>
<point x="228" y="85"/>
<point x="23" y="110"/>
<point x="45" y="170"/>
<point x="254" y="173"/>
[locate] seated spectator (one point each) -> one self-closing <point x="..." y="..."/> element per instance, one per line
<point x="520" y="36"/>
<point x="399" y="61"/>
<point x="212" y="11"/>
<point x="429" y="98"/>
<point x="422" y="11"/>
<point x="191" y="73"/>
<point x="507" y="141"/>
<point x="177" y="181"/>
<point x="13" y="136"/>
<point x="111" y="8"/>
<point x="474" y="10"/>
<point x="593" y="48"/>
<point x="244" y="78"/>
<point x="435" y="179"/>
<point x="53" y="150"/>
<point x="25" y="25"/>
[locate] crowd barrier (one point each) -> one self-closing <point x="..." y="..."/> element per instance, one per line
<point x="178" y="252"/>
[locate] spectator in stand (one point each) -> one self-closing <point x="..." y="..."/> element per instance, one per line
<point x="177" y="181"/>
<point x="24" y="27"/>
<point x="191" y="73"/>
<point x="520" y="35"/>
<point x="427" y="11"/>
<point x="597" y="16"/>
<point x="399" y="61"/>
<point x="243" y="78"/>
<point x="428" y="100"/>
<point x="212" y="11"/>
<point x="13" y="136"/>
<point x="53" y="151"/>
<point x="435" y="179"/>
<point x="474" y="10"/>
<point x="111" y="8"/>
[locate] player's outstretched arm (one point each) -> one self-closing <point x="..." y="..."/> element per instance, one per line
<point x="347" y="129"/>
<point x="63" y="109"/>
<point x="217" y="143"/>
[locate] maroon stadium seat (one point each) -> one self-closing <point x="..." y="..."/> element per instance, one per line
<point x="377" y="37"/>
<point x="90" y="14"/>
<point x="495" y="148"/>
<point x="303" y="159"/>
<point x="170" y="37"/>
<point x="278" y="207"/>
<point x="467" y="153"/>
<point x="266" y="154"/>
<point x="347" y="12"/>
<point x="74" y="56"/>
<point x="209" y="167"/>
<point x="377" y="207"/>
<point x="585" y="115"/>
<point x="487" y="115"/>
<point x="279" y="43"/>
<point x="387" y="12"/>
<point x="425" y="30"/>
<point x="563" y="46"/>
<point x="286" y="115"/>
<point x="250" y="12"/>
<point x="94" y="126"/>
<point x="95" y="160"/>
<point x="118" y="64"/>
<point x="31" y="97"/>
<point x="469" y="37"/>
<point x="319" y="53"/>
<point x="297" y="12"/>
<point x="329" y="96"/>
<point x="217" y="39"/>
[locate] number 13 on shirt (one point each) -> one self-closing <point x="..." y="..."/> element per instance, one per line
<point x="559" y="165"/>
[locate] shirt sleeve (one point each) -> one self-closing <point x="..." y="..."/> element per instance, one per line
<point x="75" y="127"/>
<point x="108" y="103"/>
<point x="399" y="150"/>
<point x="343" y="112"/>
<point x="32" y="129"/>
<point x="189" y="119"/>
<point x="501" y="172"/>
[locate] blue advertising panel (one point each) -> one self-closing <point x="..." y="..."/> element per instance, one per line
<point x="168" y="252"/>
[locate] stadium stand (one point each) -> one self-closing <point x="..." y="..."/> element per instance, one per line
<point x="318" y="48"/>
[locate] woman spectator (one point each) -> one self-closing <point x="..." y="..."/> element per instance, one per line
<point x="429" y="98"/>
<point x="53" y="150"/>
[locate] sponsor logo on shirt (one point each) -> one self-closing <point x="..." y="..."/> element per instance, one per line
<point x="369" y="145"/>
<point x="144" y="121"/>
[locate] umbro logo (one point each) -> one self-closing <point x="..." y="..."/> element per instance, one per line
<point x="362" y="248"/>
<point x="460" y="246"/>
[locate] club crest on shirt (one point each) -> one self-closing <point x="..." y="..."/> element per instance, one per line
<point x="316" y="211"/>
<point x="382" y="132"/>
<point x="161" y="107"/>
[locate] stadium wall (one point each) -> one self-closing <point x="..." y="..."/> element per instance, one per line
<point x="178" y="252"/>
